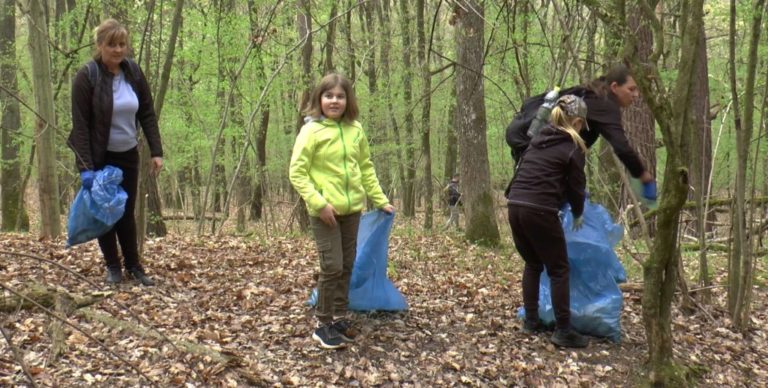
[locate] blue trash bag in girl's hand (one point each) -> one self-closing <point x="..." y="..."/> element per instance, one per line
<point x="595" y="271"/>
<point x="369" y="287"/>
<point x="95" y="211"/>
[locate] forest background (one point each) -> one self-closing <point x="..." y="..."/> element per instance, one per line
<point x="438" y="82"/>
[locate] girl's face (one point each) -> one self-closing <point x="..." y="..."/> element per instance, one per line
<point x="112" y="53"/>
<point x="333" y="102"/>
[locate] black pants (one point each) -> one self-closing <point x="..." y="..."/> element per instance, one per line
<point x="540" y="240"/>
<point x="125" y="229"/>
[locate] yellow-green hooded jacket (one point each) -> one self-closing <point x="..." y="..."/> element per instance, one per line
<point x="331" y="163"/>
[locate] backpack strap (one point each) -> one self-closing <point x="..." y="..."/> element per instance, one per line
<point x="94" y="73"/>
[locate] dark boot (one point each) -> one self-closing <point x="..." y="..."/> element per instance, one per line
<point x="138" y="274"/>
<point x="569" y="338"/>
<point x="114" y="275"/>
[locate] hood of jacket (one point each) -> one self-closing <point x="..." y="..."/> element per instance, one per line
<point x="550" y="136"/>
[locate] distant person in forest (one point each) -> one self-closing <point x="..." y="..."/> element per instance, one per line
<point x="604" y="97"/>
<point x="331" y="169"/>
<point x="453" y="197"/>
<point x="550" y="172"/>
<point x="110" y="99"/>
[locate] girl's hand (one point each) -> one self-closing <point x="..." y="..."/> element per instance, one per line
<point x="328" y="215"/>
<point x="157" y="165"/>
<point x="389" y="209"/>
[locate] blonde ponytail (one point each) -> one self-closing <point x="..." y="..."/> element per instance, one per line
<point x="563" y="122"/>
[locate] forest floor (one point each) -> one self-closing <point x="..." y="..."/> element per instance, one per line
<point x="232" y="312"/>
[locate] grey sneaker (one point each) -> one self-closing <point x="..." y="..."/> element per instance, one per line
<point x="114" y="276"/>
<point x="346" y="329"/>
<point x="138" y="274"/>
<point x="328" y="337"/>
<point x="569" y="338"/>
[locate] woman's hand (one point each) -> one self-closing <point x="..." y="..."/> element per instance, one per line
<point x="389" y="209"/>
<point x="157" y="165"/>
<point x="328" y="215"/>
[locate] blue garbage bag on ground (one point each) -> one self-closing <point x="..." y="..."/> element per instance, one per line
<point x="95" y="211"/>
<point x="595" y="271"/>
<point x="369" y="287"/>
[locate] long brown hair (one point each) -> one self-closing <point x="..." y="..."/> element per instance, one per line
<point x="602" y="85"/>
<point x="109" y="31"/>
<point x="330" y="81"/>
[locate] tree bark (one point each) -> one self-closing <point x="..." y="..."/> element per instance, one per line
<point x="48" y="185"/>
<point x="408" y="181"/>
<point x="304" y="25"/>
<point x="470" y="113"/>
<point x="740" y="278"/>
<point x="426" y="100"/>
<point x="14" y="210"/>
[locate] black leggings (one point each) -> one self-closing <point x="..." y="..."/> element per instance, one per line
<point x="540" y="240"/>
<point x="125" y="229"/>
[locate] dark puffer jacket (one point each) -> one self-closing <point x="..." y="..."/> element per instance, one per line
<point x="551" y="172"/>
<point x="92" y="114"/>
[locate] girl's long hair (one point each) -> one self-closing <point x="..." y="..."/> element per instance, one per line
<point x="330" y="81"/>
<point x="563" y="122"/>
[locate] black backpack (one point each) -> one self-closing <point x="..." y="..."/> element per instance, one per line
<point x="517" y="131"/>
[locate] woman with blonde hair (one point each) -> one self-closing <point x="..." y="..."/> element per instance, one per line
<point x="549" y="174"/>
<point x="110" y="100"/>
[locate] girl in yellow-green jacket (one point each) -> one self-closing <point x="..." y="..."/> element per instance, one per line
<point x="331" y="169"/>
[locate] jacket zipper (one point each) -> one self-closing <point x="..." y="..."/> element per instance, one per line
<point x="346" y="172"/>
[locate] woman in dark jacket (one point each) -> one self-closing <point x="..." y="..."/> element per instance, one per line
<point x="551" y="172"/>
<point x="110" y="98"/>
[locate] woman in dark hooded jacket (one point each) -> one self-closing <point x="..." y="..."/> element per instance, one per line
<point x="550" y="173"/>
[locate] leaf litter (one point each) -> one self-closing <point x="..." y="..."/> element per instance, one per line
<point x="235" y="310"/>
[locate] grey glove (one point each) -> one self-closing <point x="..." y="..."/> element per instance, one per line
<point x="578" y="222"/>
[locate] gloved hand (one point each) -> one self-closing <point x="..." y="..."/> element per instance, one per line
<point x="649" y="190"/>
<point x="578" y="222"/>
<point x="86" y="177"/>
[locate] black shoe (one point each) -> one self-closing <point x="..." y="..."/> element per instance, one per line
<point x="346" y="329"/>
<point x="328" y="337"/>
<point x="534" y="327"/>
<point x="114" y="276"/>
<point x="569" y="338"/>
<point x="138" y="274"/>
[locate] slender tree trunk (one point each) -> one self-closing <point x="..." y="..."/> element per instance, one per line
<point x="426" y="101"/>
<point x="741" y="278"/>
<point x="473" y="148"/>
<point x="257" y="203"/>
<point x="408" y="181"/>
<point x="14" y="210"/>
<point x="48" y="185"/>
<point x="330" y="41"/>
<point x="304" y="25"/>
<point x="383" y="12"/>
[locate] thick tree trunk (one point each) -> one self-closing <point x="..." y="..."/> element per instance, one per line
<point x="48" y="185"/>
<point x="470" y="114"/>
<point x="304" y="25"/>
<point x="14" y="211"/>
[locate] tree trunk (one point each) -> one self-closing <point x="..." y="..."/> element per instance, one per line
<point x="48" y="185"/>
<point x="388" y="184"/>
<point x="426" y="86"/>
<point x="408" y="181"/>
<point x="470" y="112"/>
<point x="701" y="166"/>
<point x="742" y="272"/>
<point x="330" y="41"/>
<point x="14" y="211"/>
<point x="257" y="203"/>
<point x="304" y="25"/>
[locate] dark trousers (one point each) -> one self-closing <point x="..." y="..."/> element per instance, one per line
<point x="337" y="247"/>
<point x="540" y="240"/>
<point x="124" y="230"/>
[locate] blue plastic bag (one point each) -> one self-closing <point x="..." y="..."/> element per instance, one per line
<point x="369" y="287"/>
<point x="95" y="211"/>
<point x="595" y="271"/>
